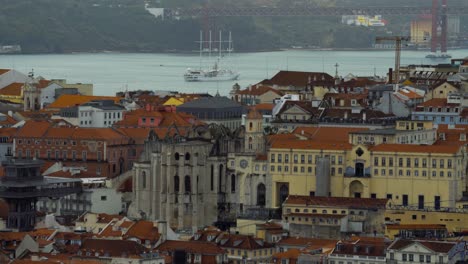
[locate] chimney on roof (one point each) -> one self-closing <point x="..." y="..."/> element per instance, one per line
<point x="364" y="116"/>
<point x="346" y="115"/>
<point x="368" y="249"/>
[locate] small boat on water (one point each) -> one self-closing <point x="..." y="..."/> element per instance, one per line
<point x="214" y="74"/>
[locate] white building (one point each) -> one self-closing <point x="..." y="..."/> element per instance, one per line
<point x="47" y="95"/>
<point x="95" y="197"/>
<point x="103" y="113"/>
<point x="8" y="77"/>
<point x="423" y="251"/>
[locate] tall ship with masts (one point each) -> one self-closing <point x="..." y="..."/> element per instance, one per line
<point x="216" y="72"/>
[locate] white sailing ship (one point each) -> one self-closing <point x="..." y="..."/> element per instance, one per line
<point x="215" y="73"/>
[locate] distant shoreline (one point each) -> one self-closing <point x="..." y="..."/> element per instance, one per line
<point x="182" y="52"/>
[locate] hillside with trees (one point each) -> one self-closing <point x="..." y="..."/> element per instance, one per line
<point x="57" y="26"/>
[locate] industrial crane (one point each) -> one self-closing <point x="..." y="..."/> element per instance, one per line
<point x="397" y="40"/>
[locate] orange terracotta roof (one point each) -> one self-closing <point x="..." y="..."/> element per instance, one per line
<point x="328" y="133"/>
<point x="264" y="107"/>
<point x="114" y="247"/>
<point x="43" y="83"/>
<point x="406" y="148"/>
<point x="410" y="94"/>
<point x="3" y="71"/>
<point x="14" y="89"/>
<point x="299" y="79"/>
<point x="415" y="226"/>
<point x="144" y="230"/>
<point x="8" y="131"/>
<point x="70" y="100"/>
<point x="259" y="90"/>
<point x="309" y="144"/>
<point x="45" y="129"/>
<point x="9" y="121"/>
<point x="437" y="246"/>
<point x="291" y="254"/>
<point x="435" y="102"/>
<point x="342" y="202"/>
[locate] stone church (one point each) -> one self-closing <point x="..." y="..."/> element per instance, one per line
<point x="201" y="178"/>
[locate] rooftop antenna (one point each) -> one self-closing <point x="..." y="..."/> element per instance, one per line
<point x="323" y="64"/>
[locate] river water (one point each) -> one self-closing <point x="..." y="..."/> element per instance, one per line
<point x="114" y="72"/>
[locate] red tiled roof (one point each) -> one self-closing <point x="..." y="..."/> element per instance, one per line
<point x="45" y="129"/>
<point x="257" y="90"/>
<point x="409" y="94"/>
<point x="8" y="132"/>
<point x="113" y="247"/>
<point x="198" y="247"/>
<point x="264" y="107"/>
<point x="3" y="71"/>
<point x="347" y="202"/>
<point x="406" y="148"/>
<point x="144" y="230"/>
<point x="338" y="134"/>
<point x="291" y="254"/>
<point x="71" y="100"/>
<point x="436" y="102"/>
<point x="14" y="89"/>
<point x="297" y="78"/>
<point x="437" y="246"/>
<point x="309" y="144"/>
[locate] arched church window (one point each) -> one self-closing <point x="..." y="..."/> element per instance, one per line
<point x="261" y="192"/>
<point x="176" y="184"/>
<point x="187" y="184"/>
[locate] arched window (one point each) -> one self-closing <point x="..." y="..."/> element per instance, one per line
<point x="176" y="184"/>
<point x="187" y="184"/>
<point x="143" y="179"/>
<point x="176" y="156"/>
<point x="250" y="125"/>
<point x="233" y="183"/>
<point x="261" y="192"/>
<point x="220" y="183"/>
<point x="187" y="156"/>
<point x="250" y="142"/>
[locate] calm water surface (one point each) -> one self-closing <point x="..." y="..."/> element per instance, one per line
<point x="113" y="72"/>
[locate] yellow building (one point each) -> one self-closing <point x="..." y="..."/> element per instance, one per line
<point x="410" y="175"/>
<point x="83" y="88"/>
<point x="12" y="93"/>
<point x="442" y="90"/>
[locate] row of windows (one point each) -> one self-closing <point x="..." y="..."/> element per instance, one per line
<point x="412" y="173"/>
<point x="112" y="115"/>
<point x="442" y="118"/>
<point x="57" y="142"/>
<point x="314" y="220"/>
<point x="260" y="252"/>
<point x="413" y="162"/>
<point x="57" y="154"/>
<point x="302" y="158"/>
<point x="315" y="211"/>
<point x="279" y="168"/>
